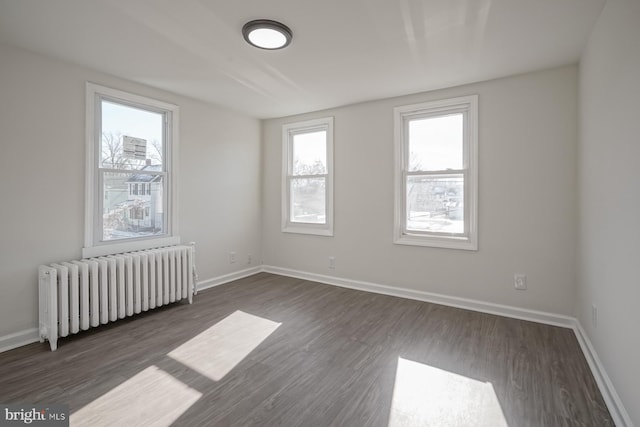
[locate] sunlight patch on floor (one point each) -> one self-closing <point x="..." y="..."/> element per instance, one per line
<point x="150" y="398"/>
<point x="216" y="351"/>
<point x="428" y="396"/>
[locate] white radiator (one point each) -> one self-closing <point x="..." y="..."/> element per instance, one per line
<point x="79" y="295"/>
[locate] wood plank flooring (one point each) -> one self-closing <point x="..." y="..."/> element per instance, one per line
<point x="276" y="351"/>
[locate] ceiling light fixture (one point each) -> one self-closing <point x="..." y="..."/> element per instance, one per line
<point x="267" y="34"/>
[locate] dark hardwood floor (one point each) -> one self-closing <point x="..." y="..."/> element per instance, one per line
<point x="270" y="350"/>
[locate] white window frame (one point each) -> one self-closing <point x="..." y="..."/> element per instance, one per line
<point x="288" y="132"/>
<point x="468" y="106"/>
<point x="93" y="243"/>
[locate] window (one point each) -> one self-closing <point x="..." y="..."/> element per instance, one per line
<point x="436" y="193"/>
<point x="132" y="144"/>
<point x="307" y="184"/>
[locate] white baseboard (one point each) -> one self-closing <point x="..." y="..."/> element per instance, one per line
<point x="469" y="304"/>
<point x="616" y="408"/>
<point x="226" y="278"/>
<point x="18" y="339"/>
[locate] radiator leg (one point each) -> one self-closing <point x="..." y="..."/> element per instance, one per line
<point x="54" y="344"/>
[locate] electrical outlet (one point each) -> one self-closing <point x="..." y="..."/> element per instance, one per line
<point x="249" y="259"/>
<point x="332" y="262"/>
<point x="520" y="282"/>
<point x="594" y="316"/>
<point x="232" y="257"/>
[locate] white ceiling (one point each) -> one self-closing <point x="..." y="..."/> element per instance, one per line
<point x="343" y="51"/>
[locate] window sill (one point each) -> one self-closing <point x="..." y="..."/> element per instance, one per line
<point x="130" y="246"/>
<point x="463" y="243"/>
<point x="314" y="231"/>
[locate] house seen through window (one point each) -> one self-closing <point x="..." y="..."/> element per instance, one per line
<point x="132" y="171"/>
<point x="129" y="171"/>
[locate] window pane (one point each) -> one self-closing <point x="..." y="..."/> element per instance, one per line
<point x="129" y="213"/>
<point x="310" y="153"/>
<point x="436" y="203"/>
<point x="308" y="201"/>
<point x="435" y="143"/>
<point x="131" y="138"/>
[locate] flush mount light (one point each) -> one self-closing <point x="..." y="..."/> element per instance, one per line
<point x="267" y="34"/>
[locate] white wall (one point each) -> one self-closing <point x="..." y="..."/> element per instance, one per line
<point x="527" y="201"/>
<point x="610" y="195"/>
<point x="42" y="117"/>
